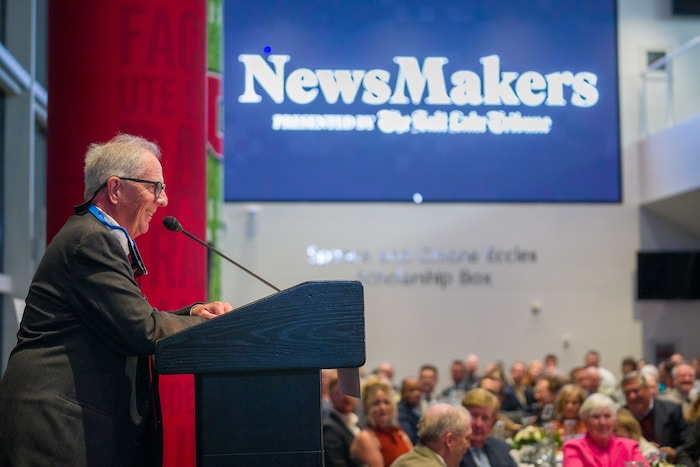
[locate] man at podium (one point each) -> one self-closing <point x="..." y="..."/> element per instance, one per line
<point x="77" y="386"/>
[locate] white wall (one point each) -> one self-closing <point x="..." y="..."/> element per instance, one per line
<point x="583" y="275"/>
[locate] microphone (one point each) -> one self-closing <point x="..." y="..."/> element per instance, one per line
<point x="173" y="224"/>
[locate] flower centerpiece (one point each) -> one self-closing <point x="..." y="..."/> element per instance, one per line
<point x="525" y="442"/>
<point x="529" y="439"/>
<point x="527" y="436"/>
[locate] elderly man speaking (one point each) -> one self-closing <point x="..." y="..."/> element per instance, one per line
<point x="77" y="391"/>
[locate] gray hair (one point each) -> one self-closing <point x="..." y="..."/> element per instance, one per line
<point x="122" y="156"/>
<point x="636" y="376"/>
<point x="596" y="403"/>
<point x="442" y="418"/>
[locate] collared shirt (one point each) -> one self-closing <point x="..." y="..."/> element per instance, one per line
<point x="646" y="422"/>
<point x="350" y="420"/>
<point x="480" y="457"/>
<point x="119" y="234"/>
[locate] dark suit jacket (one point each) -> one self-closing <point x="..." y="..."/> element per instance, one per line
<point x="670" y="427"/>
<point x="76" y="388"/>
<point x="337" y="439"/>
<point x="689" y="453"/>
<point x="498" y="452"/>
<point x="511" y="403"/>
<point x="408" y="420"/>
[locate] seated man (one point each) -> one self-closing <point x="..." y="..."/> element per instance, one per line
<point x="546" y="390"/>
<point x="408" y="408"/>
<point x="453" y="394"/>
<point x="443" y="432"/>
<point x="485" y="450"/>
<point x="683" y="375"/>
<point x="428" y="378"/>
<point x="510" y="422"/>
<point x="339" y="429"/>
<point x="662" y="421"/>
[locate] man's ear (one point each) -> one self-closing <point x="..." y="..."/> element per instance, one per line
<point x="113" y="189"/>
<point x="449" y="439"/>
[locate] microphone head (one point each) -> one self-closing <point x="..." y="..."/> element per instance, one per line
<point x="171" y="223"/>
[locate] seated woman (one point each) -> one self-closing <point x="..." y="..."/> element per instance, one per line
<point x="567" y="422"/>
<point x="627" y="426"/>
<point x="599" y="447"/>
<point x="381" y="441"/>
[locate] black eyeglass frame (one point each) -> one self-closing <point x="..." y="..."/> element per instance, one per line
<point x="158" y="187"/>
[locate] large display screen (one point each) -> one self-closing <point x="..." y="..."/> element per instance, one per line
<point x="421" y="101"/>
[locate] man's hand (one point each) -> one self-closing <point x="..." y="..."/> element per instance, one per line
<point x="670" y="452"/>
<point x="211" y="310"/>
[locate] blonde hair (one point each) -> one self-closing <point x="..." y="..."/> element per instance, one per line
<point x="370" y="388"/>
<point x="628" y="421"/>
<point x="566" y="391"/>
<point x="480" y="397"/>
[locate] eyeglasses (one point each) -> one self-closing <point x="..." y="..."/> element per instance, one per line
<point x="158" y="187"/>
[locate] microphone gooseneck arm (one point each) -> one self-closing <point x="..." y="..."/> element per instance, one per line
<point x="173" y="224"/>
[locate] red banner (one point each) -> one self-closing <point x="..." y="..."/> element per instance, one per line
<point x="137" y="67"/>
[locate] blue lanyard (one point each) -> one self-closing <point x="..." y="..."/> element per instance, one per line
<point x="136" y="260"/>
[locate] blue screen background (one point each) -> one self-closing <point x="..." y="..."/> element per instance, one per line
<point x="578" y="161"/>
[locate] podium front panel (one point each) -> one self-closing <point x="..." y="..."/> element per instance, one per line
<point x="252" y="418"/>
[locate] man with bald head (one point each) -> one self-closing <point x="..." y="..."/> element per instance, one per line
<point x="443" y="435"/>
<point x="408" y="408"/>
<point x="683" y="375"/>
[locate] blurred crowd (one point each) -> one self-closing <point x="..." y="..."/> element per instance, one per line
<point x="649" y="414"/>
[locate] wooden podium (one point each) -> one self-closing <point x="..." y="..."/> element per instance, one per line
<point x="257" y="372"/>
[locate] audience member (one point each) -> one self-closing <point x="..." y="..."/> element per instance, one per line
<point x="495" y="370"/>
<point x="695" y="362"/>
<point x="627" y="426"/>
<point x="339" y="429"/>
<point x="683" y="375"/>
<point x="651" y="375"/>
<point x="472" y="377"/>
<point x="551" y="366"/>
<point x="568" y="402"/>
<point x="594" y="377"/>
<point x="580" y="376"/>
<point x="664" y="376"/>
<point x="453" y="394"/>
<point x="444" y="432"/>
<point x="608" y="382"/>
<point x="628" y="365"/>
<point x="485" y="450"/>
<point x="662" y="421"/>
<point x="495" y="386"/>
<point x="326" y="376"/>
<point x="545" y="394"/>
<point x="518" y="396"/>
<point x="600" y="447"/>
<point x="428" y="378"/>
<point x="676" y="358"/>
<point x="693" y="410"/>
<point x="381" y="441"/>
<point x="533" y="372"/>
<point x="386" y="370"/>
<point x="409" y="408"/>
